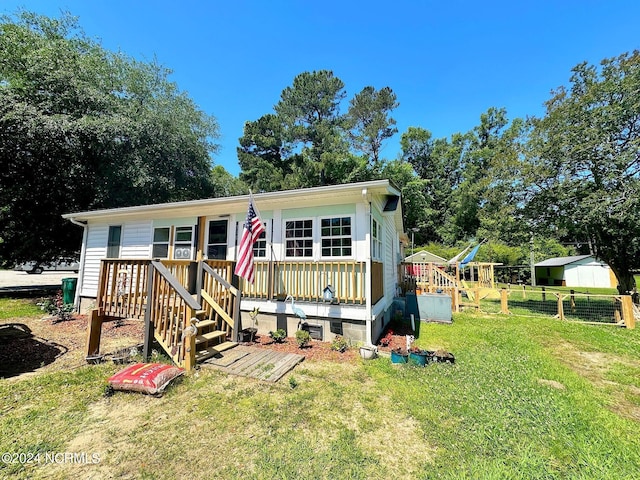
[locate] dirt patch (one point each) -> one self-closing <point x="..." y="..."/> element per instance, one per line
<point x="551" y="383"/>
<point x="315" y="350"/>
<point x="594" y="367"/>
<point x="34" y="345"/>
<point x="44" y="345"/>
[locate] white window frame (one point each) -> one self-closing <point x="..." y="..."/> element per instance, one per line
<point x="261" y="247"/>
<point x="183" y="243"/>
<point x="227" y="239"/>
<point x="350" y="236"/>
<point x="154" y="242"/>
<point x="311" y="238"/>
<point x="376" y="239"/>
<point x="112" y="246"/>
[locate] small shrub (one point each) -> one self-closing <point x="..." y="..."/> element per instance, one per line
<point x="339" y="344"/>
<point x="279" y="335"/>
<point x="293" y="383"/>
<point x="303" y="338"/>
<point x="56" y="307"/>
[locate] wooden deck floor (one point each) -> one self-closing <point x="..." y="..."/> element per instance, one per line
<point x="259" y="363"/>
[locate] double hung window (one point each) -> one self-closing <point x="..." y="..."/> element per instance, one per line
<point x="335" y="235"/>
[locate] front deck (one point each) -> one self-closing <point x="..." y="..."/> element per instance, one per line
<point x="192" y="309"/>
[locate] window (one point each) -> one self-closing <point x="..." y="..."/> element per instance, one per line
<point x="260" y="247"/>
<point x="335" y="236"/>
<point x="160" y="242"/>
<point x="217" y="243"/>
<point x="299" y="238"/>
<point x="376" y="240"/>
<point x="113" y="241"/>
<point x="183" y="243"/>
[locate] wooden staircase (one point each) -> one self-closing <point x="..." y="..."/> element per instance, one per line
<point x="209" y="340"/>
<point x="189" y="327"/>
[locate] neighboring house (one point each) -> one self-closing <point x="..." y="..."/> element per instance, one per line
<point x="346" y="237"/>
<point x="576" y="271"/>
<point x="425" y="257"/>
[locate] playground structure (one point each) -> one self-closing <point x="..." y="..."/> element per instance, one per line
<point x="473" y="287"/>
<point x="466" y="286"/>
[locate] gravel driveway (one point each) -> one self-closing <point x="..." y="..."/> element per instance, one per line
<point x="11" y="278"/>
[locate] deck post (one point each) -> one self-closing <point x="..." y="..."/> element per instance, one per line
<point x="199" y="282"/>
<point x="193" y="278"/>
<point x="189" y="339"/>
<point x="94" y="332"/>
<point x="148" y="324"/>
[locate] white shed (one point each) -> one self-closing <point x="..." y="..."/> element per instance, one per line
<point x="575" y="271"/>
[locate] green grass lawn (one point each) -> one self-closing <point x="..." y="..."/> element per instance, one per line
<point x="526" y="398"/>
<point x="12" y="308"/>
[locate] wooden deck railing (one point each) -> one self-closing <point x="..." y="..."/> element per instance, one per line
<point x="170" y="310"/>
<point x="306" y="280"/>
<point x="162" y="294"/>
<point x="122" y="288"/>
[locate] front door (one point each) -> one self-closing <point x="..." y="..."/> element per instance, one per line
<point x="217" y="239"/>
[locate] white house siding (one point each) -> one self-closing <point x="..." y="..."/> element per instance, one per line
<point x="389" y="261"/>
<point x="96" y="250"/>
<point x="136" y="240"/>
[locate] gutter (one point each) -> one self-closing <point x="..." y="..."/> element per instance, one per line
<point x="83" y="251"/>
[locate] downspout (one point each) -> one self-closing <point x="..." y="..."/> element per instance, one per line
<point x="83" y="251"/>
<point x="369" y="305"/>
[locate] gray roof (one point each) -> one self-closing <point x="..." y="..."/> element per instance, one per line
<point x="562" y="261"/>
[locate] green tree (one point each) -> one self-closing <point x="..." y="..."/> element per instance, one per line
<point x="436" y="163"/>
<point x="583" y="163"/>
<point x="225" y="184"/>
<point x="83" y="128"/>
<point x="310" y="112"/>
<point x="370" y="123"/>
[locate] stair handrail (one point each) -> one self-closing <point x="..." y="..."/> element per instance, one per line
<point x="176" y="285"/>
<point x="191" y="304"/>
<point x="204" y="267"/>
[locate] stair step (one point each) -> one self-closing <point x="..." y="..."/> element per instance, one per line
<point x="202" y="324"/>
<point x="211" y="351"/>
<point x="205" y="337"/>
<point x="200" y="313"/>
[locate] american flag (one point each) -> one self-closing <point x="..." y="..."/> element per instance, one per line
<point x="253" y="227"/>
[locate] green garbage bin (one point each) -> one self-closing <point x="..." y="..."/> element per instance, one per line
<point x="69" y="289"/>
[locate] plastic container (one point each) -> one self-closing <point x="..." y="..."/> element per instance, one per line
<point x="397" y="357"/>
<point x="419" y="358"/>
<point x="69" y="289"/>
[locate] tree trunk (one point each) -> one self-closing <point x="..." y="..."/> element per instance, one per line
<point x="626" y="280"/>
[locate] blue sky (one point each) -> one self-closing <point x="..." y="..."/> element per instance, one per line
<point x="447" y="61"/>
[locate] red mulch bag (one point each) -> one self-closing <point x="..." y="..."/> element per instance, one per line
<point x="150" y="378"/>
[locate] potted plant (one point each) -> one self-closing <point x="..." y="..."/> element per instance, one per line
<point x="398" y="355"/>
<point x="279" y="335"/>
<point x="249" y="334"/>
<point x="443" y="356"/>
<point x="303" y="338"/>
<point x="420" y="357"/>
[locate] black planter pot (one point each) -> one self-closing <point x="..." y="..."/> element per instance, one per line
<point x="248" y="334"/>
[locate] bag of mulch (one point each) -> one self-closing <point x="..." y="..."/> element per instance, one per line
<point x="149" y="378"/>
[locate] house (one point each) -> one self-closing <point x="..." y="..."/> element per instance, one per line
<point x="425" y="257"/>
<point x="576" y="271"/>
<point x="173" y="261"/>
